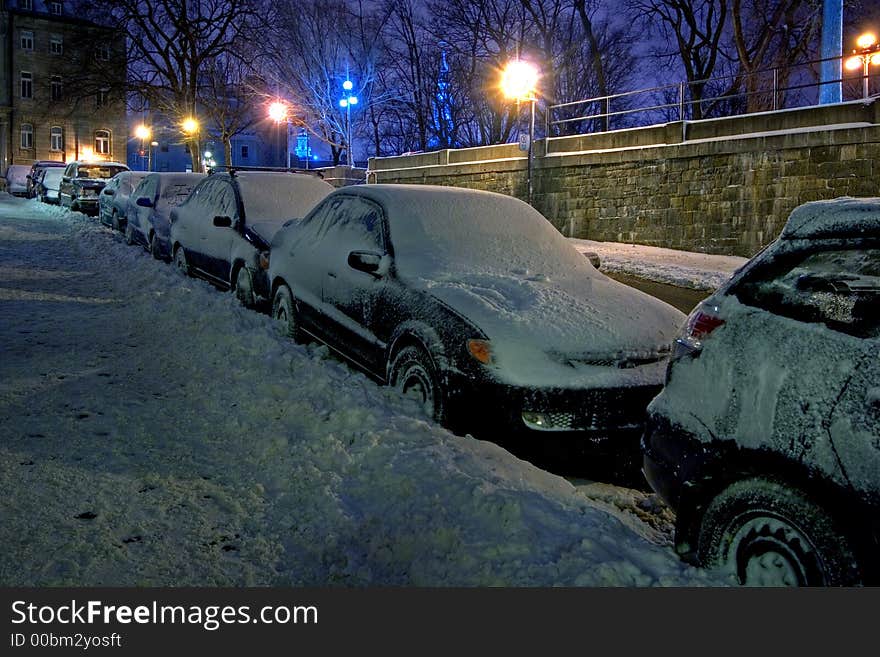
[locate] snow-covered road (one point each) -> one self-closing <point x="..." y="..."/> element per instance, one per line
<point x="152" y="432"/>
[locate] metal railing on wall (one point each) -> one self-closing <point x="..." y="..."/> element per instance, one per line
<point x="766" y="90"/>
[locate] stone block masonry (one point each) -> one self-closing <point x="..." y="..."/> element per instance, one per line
<point x="727" y="188"/>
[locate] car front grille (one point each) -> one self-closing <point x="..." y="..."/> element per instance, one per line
<point x="591" y="410"/>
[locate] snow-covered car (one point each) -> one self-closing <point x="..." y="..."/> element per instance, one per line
<point x="222" y="232"/>
<point x="766" y="437"/>
<point x="149" y="210"/>
<point x="473" y="304"/>
<point x="16" y="179"/>
<point x="48" y="181"/>
<point x="113" y="201"/>
<point x="83" y="181"/>
<point x="36" y="173"/>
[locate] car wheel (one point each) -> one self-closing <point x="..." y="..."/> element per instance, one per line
<point x="243" y="287"/>
<point x="284" y="310"/>
<point x="769" y="534"/>
<point x="180" y="261"/>
<point x="413" y="373"/>
<point x="129" y="234"/>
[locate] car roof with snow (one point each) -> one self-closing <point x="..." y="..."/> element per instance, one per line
<point x="840" y="217"/>
<point x="277" y="196"/>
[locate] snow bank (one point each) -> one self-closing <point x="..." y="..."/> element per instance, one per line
<point x="156" y="433"/>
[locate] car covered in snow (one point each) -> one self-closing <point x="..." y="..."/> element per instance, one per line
<point x="36" y="173"/>
<point x="474" y="305"/>
<point x="113" y="201"/>
<point x="47" y="183"/>
<point x="16" y="179"/>
<point x="766" y="437"/>
<point x="223" y="231"/>
<point x="149" y="210"/>
<point x="83" y="181"/>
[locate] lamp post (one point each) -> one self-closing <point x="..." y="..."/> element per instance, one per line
<point x="867" y="52"/>
<point x="278" y="113"/>
<point x="519" y="81"/>
<point x="190" y="128"/>
<point x="346" y="102"/>
<point x="142" y="132"/>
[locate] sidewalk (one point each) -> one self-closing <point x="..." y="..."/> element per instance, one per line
<point x="697" y="271"/>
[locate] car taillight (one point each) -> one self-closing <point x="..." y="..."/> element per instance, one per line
<point x="700" y="323"/>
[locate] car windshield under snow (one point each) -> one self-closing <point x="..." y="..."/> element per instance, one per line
<point x="98" y="171"/>
<point x="277" y="197"/>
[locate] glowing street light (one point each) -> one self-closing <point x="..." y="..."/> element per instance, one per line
<point x="346" y="103"/>
<point x="867" y="53"/>
<point x="143" y="133"/>
<point x="278" y="111"/>
<point x="519" y="81"/>
<point x="189" y="125"/>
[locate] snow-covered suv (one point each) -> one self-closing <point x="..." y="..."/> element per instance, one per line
<point x="766" y="436"/>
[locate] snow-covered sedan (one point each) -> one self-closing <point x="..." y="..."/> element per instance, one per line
<point x="83" y="181"/>
<point x="222" y="232"/>
<point x="148" y="215"/>
<point x="47" y="182"/>
<point x="477" y="307"/>
<point x="113" y="200"/>
<point x="766" y="438"/>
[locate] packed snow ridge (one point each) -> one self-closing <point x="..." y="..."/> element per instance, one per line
<point x="156" y="433"/>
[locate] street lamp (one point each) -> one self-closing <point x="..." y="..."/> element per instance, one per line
<point x="345" y="103"/>
<point x="519" y="81"/>
<point x="278" y="112"/>
<point x="142" y="132"/>
<point x="867" y="52"/>
<point x="190" y="128"/>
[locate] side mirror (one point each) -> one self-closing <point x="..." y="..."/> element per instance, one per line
<point x="143" y="202"/>
<point x="109" y="192"/>
<point x="368" y="262"/>
<point x="223" y="222"/>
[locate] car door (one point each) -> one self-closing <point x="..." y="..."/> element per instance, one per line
<point x="65" y="189"/>
<point x="355" y="280"/>
<point x="138" y="216"/>
<point x="217" y="225"/>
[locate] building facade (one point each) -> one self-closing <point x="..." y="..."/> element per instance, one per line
<point x="61" y="86"/>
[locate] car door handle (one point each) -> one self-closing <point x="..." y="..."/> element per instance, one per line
<point x="331" y="274"/>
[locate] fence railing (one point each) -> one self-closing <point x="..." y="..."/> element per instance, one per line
<point x="731" y="95"/>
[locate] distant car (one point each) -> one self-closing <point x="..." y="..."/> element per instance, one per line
<point x="16" y="179"/>
<point x="228" y="221"/>
<point x="83" y="181"/>
<point x="113" y="200"/>
<point x="473" y="304"/>
<point x="47" y="184"/>
<point x="766" y="438"/>
<point x="149" y="208"/>
<point x="36" y="172"/>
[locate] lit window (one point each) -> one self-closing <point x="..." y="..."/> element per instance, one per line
<point x="27" y="136"/>
<point x="27" y="84"/>
<point x="244" y="152"/>
<point x="56" y="87"/>
<point x="56" y="45"/>
<point x="102" y="142"/>
<point x="55" y="8"/>
<point x="27" y="40"/>
<point x="56" y="138"/>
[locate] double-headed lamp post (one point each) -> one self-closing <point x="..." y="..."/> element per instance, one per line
<point x="345" y="103"/>
<point x="278" y="112"/>
<point x="519" y="81"/>
<point x="867" y="52"/>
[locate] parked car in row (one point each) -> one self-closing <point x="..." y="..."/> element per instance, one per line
<point x="47" y="183"/>
<point x="113" y="200"/>
<point x="16" y="179"/>
<point x="36" y="172"/>
<point x="148" y="216"/>
<point x="83" y="181"/>
<point x="226" y="225"/>
<point x="474" y="305"/>
<point x="766" y="437"/>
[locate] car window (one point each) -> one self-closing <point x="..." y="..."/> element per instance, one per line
<point x="146" y="189"/>
<point x="315" y="224"/>
<point x="220" y="199"/>
<point x="175" y="194"/>
<point x="356" y="224"/>
<point x="839" y="288"/>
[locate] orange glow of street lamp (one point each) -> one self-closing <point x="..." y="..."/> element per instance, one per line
<point x="519" y="80"/>
<point x="278" y="111"/>
<point x="867" y="54"/>
<point x="142" y="132"/>
<point x="189" y="125"/>
<point x="866" y="40"/>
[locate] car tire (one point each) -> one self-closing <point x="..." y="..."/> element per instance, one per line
<point x="770" y="534"/>
<point x="284" y="310"/>
<point x="129" y="234"/>
<point x="180" y="261"/>
<point x="243" y="287"/>
<point x="413" y="373"/>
